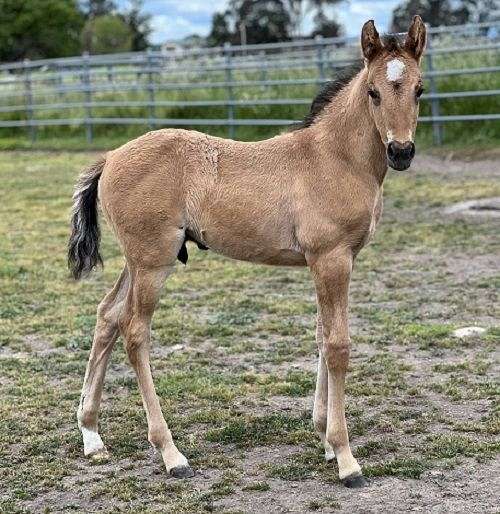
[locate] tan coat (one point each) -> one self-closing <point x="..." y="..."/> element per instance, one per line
<point x="308" y="197"/>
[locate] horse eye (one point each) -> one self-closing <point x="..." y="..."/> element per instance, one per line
<point x="419" y="92"/>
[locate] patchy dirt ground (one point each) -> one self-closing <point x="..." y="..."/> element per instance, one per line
<point x="234" y="362"/>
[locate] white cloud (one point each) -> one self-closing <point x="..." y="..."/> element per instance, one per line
<point x="168" y="28"/>
<point x="353" y="14"/>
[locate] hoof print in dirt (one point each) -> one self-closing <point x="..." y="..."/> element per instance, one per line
<point x="355" y="481"/>
<point x="182" y="472"/>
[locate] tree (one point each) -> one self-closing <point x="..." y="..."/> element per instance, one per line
<point x="481" y="10"/>
<point x="441" y="12"/>
<point x="193" y="41"/>
<point x="325" y="27"/>
<point x="220" y="33"/>
<point x="107" y="34"/>
<point x="297" y="10"/>
<point x="39" y="29"/>
<point x="251" y="21"/>
<point x="94" y="8"/>
<point x="263" y="21"/>
<point x="139" y="24"/>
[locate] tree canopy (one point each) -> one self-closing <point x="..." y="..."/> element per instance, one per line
<point x="441" y="12"/>
<point x="140" y="25"/>
<point x="268" y="21"/>
<point x="93" y="8"/>
<point x="37" y="29"/>
<point x="106" y="34"/>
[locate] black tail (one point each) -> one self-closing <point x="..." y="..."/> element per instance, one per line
<point x="83" y="246"/>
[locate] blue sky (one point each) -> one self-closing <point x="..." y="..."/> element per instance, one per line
<point x="175" y="19"/>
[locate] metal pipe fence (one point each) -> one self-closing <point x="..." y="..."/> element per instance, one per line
<point x="233" y="77"/>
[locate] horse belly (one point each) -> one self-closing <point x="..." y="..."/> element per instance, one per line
<point x="271" y="256"/>
<point x="264" y="241"/>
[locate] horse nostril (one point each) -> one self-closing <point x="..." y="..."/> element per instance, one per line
<point x="407" y="150"/>
<point x="391" y="150"/>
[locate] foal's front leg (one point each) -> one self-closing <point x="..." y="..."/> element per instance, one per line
<point x="332" y="272"/>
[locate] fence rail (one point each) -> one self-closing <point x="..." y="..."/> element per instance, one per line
<point x="84" y="84"/>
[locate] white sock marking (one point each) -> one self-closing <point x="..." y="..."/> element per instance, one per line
<point x="395" y="69"/>
<point x="172" y="457"/>
<point x="92" y="442"/>
<point x="329" y="452"/>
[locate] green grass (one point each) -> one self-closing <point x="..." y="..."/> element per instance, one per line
<point x="237" y="389"/>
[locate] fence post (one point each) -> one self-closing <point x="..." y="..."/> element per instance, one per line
<point x="110" y="73"/>
<point x="319" y="57"/>
<point x="230" y="95"/>
<point x="263" y="70"/>
<point x="60" y="84"/>
<point x="437" y="129"/>
<point x="29" y="100"/>
<point x="151" y="89"/>
<point x="88" y="95"/>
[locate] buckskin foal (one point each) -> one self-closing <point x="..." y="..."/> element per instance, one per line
<point x="309" y="197"/>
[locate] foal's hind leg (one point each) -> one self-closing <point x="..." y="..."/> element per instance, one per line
<point x="320" y="412"/>
<point x="105" y="335"/>
<point x="135" y="325"/>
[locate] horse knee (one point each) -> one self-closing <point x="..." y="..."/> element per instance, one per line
<point x="320" y="419"/>
<point x="336" y="354"/>
<point x="136" y="336"/>
<point x="108" y="314"/>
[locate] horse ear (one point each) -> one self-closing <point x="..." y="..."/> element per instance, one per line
<point x="370" y="40"/>
<point x="416" y="38"/>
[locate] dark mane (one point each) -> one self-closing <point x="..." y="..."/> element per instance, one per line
<point x="328" y="92"/>
<point x="392" y="43"/>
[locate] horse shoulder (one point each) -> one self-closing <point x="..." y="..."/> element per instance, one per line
<point x="343" y="212"/>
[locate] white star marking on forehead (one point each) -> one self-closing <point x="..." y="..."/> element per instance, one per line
<point x="395" y="69"/>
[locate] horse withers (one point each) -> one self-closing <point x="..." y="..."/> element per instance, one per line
<point x="309" y="197"/>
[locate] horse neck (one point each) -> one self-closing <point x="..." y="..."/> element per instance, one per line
<point x="347" y="130"/>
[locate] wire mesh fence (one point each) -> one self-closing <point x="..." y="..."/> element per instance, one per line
<point x="235" y="86"/>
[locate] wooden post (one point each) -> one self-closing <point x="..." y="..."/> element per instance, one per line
<point x="151" y="89"/>
<point x="230" y="93"/>
<point x="28" y="95"/>
<point x="437" y="130"/>
<point x="88" y="96"/>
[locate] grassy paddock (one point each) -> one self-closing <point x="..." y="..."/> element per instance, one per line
<point x="233" y="357"/>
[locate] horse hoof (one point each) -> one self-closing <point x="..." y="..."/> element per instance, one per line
<point x="182" y="472"/>
<point x="355" y="481"/>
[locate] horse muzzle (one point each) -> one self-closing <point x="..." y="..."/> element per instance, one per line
<point x="400" y="155"/>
